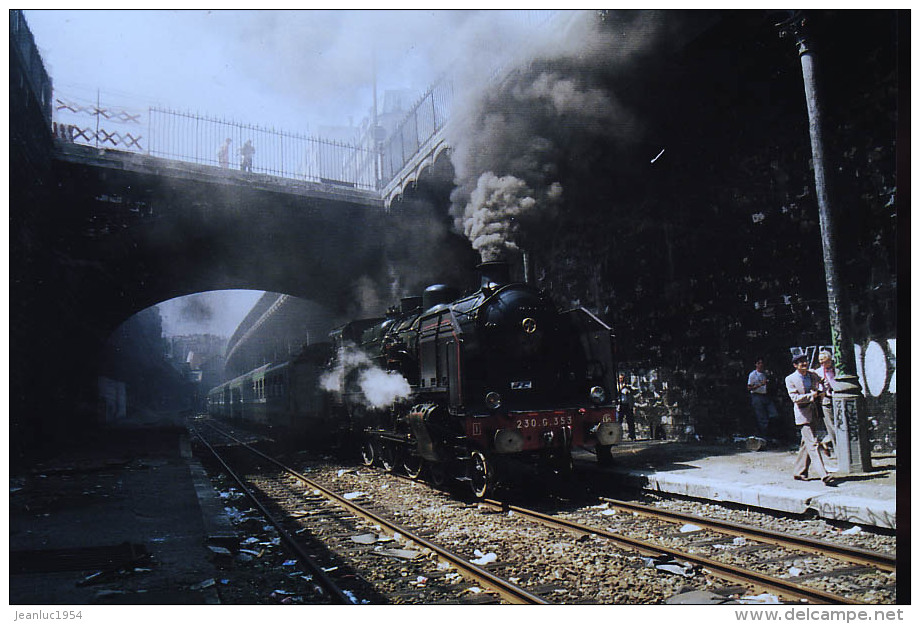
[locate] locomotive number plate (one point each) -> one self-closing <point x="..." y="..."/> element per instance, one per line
<point x="521" y="385"/>
<point x="556" y="420"/>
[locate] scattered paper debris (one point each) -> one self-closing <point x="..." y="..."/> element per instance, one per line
<point x="353" y="598"/>
<point x="794" y="571"/>
<point x="697" y="597"/>
<point x="399" y="553"/>
<point x="852" y="531"/>
<point x="353" y="495"/>
<point x="220" y="550"/>
<point x="484" y="558"/>
<point x="739" y="541"/>
<point x="203" y="584"/>
<point x="365" y="538"/>
<point x="690" y="528"/>
<point x="760" y="599"/>
<point x="666" y="563"/>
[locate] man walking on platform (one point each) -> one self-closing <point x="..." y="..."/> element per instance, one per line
<point x="827" y="374"/>
<point x="804" y="388"/>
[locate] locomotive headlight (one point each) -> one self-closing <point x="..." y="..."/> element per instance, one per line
<point x="493" y="400"/>
<point x="598" y="395"/>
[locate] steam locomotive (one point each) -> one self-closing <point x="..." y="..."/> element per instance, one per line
<point x="486" y="382"/>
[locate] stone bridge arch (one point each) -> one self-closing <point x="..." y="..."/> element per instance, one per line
<point x="107" y="234"/>
<point x="152" y="230"/>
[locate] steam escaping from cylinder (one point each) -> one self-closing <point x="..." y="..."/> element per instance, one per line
<point x="354" y="371"/>
<point x="382" y="388"/>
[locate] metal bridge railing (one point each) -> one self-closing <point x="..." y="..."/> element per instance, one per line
<point x="198" y="139"/>
<point x="422" y="122"/>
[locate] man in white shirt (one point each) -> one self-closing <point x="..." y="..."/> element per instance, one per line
<point x="764" y="409"/>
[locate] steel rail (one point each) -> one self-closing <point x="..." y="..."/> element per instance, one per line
<point x="505" y="589"/>
<point x="849" y="554"/>
<point x="726" y="571"/>
<point x="324" y="579"/>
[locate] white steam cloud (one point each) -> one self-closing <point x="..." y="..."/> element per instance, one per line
<point x="379" y="389"/>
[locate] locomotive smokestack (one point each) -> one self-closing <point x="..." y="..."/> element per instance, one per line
<point x="408" y="304"/>
<point x="496" y="273"/>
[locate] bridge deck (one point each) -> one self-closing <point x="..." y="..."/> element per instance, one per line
<point x="151" y="165"/>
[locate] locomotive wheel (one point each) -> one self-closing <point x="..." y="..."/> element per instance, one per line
<point x="437" y="475"/>
<point x="386" y="457"/>
<point x="412" y="464"/>
<point x="481" y="475"/>
<point x="368" y="453"/>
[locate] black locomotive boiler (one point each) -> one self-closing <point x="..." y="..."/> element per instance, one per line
<point x="494" y="378"/>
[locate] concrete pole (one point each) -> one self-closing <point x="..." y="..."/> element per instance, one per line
<point x="375" y="133"/>
<point x="852" y="436"/>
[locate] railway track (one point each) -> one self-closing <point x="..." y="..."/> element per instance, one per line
<point x="849" y="554"/>
<point x="739" y="559"/>
<point x="314" y="502"/>
<point x="793" y="590"/>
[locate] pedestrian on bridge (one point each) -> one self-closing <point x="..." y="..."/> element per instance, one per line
<point x="246" y="153"/>
<point x="223" y="155"/>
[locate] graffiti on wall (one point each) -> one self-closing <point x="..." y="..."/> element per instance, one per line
<point x="876" y="365"/>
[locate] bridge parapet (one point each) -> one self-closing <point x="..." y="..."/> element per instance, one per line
<point x="145" y="164"/>
<point x="204" y="140"/>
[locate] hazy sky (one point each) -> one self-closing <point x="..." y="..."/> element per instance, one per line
<point x="217" y="312"/>
<point x="292" y="70"/>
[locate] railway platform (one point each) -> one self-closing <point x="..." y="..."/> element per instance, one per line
<point x="129" y="508"/>
<point x="761" y="479"/>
